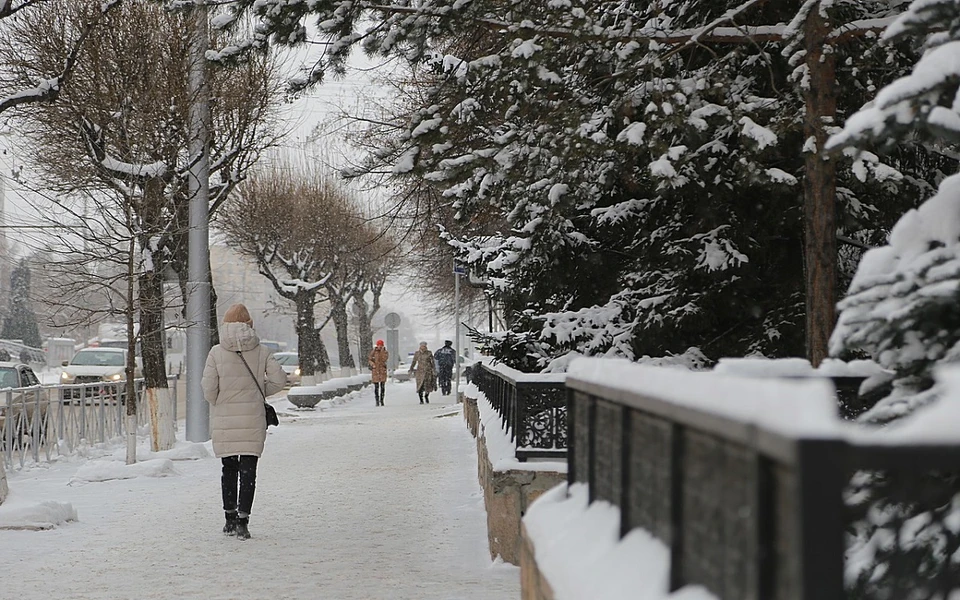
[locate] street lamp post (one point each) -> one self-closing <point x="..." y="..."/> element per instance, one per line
<point x="198" y="287"/>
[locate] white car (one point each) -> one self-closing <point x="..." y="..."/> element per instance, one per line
<point x="95" y="365"/>
<point x="290" y="363"/>
<point x="402" y="372"/>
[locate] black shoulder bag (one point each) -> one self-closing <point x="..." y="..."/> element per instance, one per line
<point x="268" y="411"/>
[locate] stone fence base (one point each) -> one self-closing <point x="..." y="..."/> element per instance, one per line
<point x="506" y="494"/>
<point x="533" y="585"/>
<point x="471" y="415"/>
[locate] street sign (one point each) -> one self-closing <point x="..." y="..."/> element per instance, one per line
<point x="459" y="269"/>
<point x="392" y="320"/>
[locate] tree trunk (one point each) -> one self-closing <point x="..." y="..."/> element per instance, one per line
<point x="214" y="322"/>
<point x="310" y="349"/>
<point x="338" y="314"/>
<point x="153" y="347"/>
<point x="364" y="319"/>
<point x="159" y="402"/>
<point x="820" y="186"/>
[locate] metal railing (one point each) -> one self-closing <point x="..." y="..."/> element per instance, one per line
<point x="755" y="513"/>
<point x="532" y="408"/>
<point x="43" y="422"/>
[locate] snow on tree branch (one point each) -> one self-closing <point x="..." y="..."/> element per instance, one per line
<point x="49" y="89"/>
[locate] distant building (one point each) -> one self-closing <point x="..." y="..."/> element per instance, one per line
<point x="236" y="279"/>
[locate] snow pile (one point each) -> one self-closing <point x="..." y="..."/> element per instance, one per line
<point x="796" y="407"/>
<point x="796" y="367"/>
<point x="96" y="471"/>
<point x="692" y="360"/>
<point x="517" y="376"/>
<point x="579" y="551"/>
<point x="181" y="451"/>
<point x="500" y="449"/>
<point x="36" y="517"/>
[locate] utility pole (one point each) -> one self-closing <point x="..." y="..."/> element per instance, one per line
<point x="198" y="284"/>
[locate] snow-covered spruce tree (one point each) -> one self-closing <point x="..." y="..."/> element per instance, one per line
<point x="649" y="204"/>
<point x="21" y="322"/>
<point x="903" y="306"/>
<point x="625" y="188"/>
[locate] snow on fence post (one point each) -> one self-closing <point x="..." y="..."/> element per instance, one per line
<point x="4" y="490"/>
<point x="754" y="489"/>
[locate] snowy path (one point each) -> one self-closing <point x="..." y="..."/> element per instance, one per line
<point x="356" y="502"/>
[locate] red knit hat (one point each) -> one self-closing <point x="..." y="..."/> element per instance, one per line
<point x="379" y="342"/>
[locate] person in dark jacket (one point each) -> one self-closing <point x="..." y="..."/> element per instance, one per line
<point x="446" y="358"/>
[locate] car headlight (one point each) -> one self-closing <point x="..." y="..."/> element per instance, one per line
<point x="114" y="377"/>
<point x="297" y="371"/>
<point x="67" y="376"/>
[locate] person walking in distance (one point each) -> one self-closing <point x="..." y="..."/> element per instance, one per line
<point x="426" y="372"/>
<point x="238" y="374"/>
<point x="378" y="370"/>
<point x="446" y="358"/>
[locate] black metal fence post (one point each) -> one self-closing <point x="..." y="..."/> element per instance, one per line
<point x="676" y="506"/>
<point x="571" y="438"/>
<point x="821" y="478"/>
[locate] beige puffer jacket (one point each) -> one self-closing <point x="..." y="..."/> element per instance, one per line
<point x="236" y="416"/>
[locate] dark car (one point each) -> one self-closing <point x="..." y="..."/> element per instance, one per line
<point x="21" y="412"/>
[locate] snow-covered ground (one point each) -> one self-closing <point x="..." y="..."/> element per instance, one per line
<point x="353" y="502"/>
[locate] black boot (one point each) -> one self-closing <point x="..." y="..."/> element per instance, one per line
<point x="230" y="527"/>
<point x="426" y="397"/>
<point x="421" y="397"/>
<point x="242" y="532"/>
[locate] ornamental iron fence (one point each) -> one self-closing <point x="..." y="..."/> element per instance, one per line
<point x="41" y="423"/>
<point x="756" y="514"/>
<point x="532" y="409"/>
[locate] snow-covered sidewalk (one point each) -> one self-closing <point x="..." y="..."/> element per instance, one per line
<point x="355" y="502"/>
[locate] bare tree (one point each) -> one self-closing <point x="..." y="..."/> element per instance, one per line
<point x="374" y="266"/>
<point x="122" y="127"/>
<point x="47" y="86"/>
<point x="282" y="218"/>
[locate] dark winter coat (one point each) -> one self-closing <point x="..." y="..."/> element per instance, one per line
<point x="378" y="364"/>
<point x="446" y="357"/>
<point x="426" y="371"/>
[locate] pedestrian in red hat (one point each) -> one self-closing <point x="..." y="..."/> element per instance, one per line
<point x="378" y="369"/>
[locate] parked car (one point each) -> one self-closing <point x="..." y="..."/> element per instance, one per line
<point x="290" y="363"/>
<point x="23" y="403"/>
<point x="105" y="366"/>
<point x="402" y="372"/>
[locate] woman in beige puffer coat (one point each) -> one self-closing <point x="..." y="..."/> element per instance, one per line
<point x="237" y="418"/>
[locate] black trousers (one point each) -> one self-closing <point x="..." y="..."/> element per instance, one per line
<point x="239" y="474"/>
<point x="378" y="387"/>
<point x="446" y="375"/>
